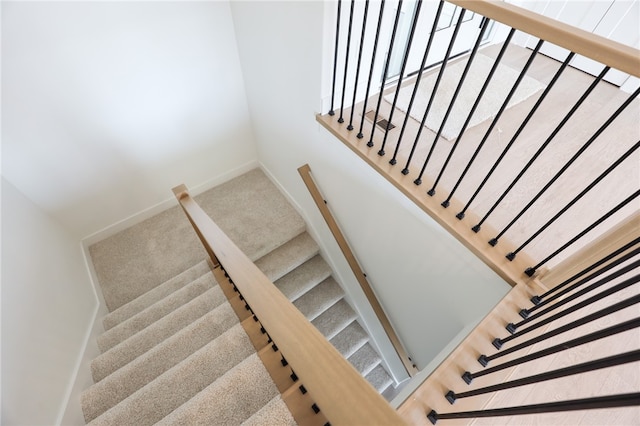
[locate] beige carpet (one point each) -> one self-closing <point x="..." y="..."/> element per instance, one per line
<point x="176" y="354"/>
<point x="250" y="209"/>
<point x="491" y="102"/>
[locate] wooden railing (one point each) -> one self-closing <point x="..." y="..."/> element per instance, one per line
<point x="321" y="203"/>
<point x="339" y="391"/>
<point x="591" y="112"/>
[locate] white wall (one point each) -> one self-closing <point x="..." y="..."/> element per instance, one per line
<point x="108" y="105"/>
<point x="47" y="304"/>
<point x="430" y="286"/>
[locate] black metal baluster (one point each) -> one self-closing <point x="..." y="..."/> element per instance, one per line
<point x="524" y="313"/>
<point x="538" y="299"/>
<point x="335" y="59"/>
<point x="405" y="59"/>
<point x="373" y="62"/>
<point x="592" y="86"/>
<point x="458" y="88"/>
<point x="564" y="168"/>
<point x="384" y="73"/>
<point x="516" y="134"/>
<point x="417" y="83"/>
<point x="477" y="101"/>
<point x="355" y="87"/>
<point x="595" y="298"/>
<point x="532" y="270"/>
<point x="585" y="367"/>
<point x="626" y="155"/>
<point x="484" y="360"/>
<point x="346" y="62"/>
<point x="587" y="338"/>
<point x="446" y="202"/>
<point x="610" y="401"/>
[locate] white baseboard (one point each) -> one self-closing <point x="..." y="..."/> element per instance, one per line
<point x="136" y="218"/>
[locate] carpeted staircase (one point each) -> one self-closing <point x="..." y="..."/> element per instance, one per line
<point x="177" y="354"/>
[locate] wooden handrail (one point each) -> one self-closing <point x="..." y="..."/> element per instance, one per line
<point x="305" y="173"/>
<point x="598" y="48"/>
<point x="339" y="390"/>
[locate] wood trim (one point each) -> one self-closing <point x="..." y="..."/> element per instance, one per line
<point x="344" y="396"/>
<point x="614" y="54"/>
<point x="621" y="234"/>
<point x="305" y="173"/>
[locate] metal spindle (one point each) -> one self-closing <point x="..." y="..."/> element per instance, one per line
<point x="458" y="87"/>
<point x="582" y="340"/>
<point x="626" y="155"/>
<point x="595" y="298"/>
<point x="516" y="134"/>
<point x="417" y="83"/>
<point x="610" y="401"/>
<point x="538" y="299"/>
<point x="355" y="87"/>
<point x="335" y="59"/>
<point x="346" y="62"/>
<point x="386" y="70"/>
<point x="478" y="98"/>
<point x="484" y="360"/>
<point x="543" y="302"/>
<point x="495" y="120"/>
<point x="405" y="59"/>
<point x="373" y="62"/>
<point x="532" y="270"/>
<point x="564" y="168"/>
<point x="565" y="119"/>
<point x="585" y="367"/>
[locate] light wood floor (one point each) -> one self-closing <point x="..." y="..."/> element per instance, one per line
<point x="606" y="149"/>
<point x="624" y="132"/>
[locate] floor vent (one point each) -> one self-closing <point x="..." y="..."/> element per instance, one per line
<point x="383" y="122"/>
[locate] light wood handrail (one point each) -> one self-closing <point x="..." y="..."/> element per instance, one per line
<point x="598" y="48"/>
<point x="342" y="394"/>
<point x="305" y="173"/>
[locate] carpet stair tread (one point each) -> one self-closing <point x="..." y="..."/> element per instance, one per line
<point x="161" y="308"/>
<point x="147" y="299"/>
<point x="335" y="319"/>
<point x="287" y="257"/>
<point x="349" y="340"/>
<point x="319" y="298"/>
<point x="176" y="386"/>
<point x="232" y="399"/>
<point x="275" y="413"/>
<point x="365" y="359"/>
<point x="304" y="277"/>
<point x="154" y="334"/>
<point x="128" y="379"/>
<point x="379" y="378"/>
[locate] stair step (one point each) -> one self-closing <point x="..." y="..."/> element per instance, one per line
<point x="288" y="256"/>
<point x="304" y="278"/>
<point x="142" y="370"/>
<point x="141" y="342"/>
<point x="176" y="386"/>
<point x="231" y="399"/>
<point x="318" y="299"/>
<point x="275" y="413"/>
<point x="147" y="299"/>
<point x="349" y="340"/>
<point x="379" y="378"/>
<point x="365" y="359"/>
<point x="156" y="311"/>
<point x="335" y="319"/>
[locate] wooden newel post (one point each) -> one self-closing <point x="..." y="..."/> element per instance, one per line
<point x="182" y="195"/>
